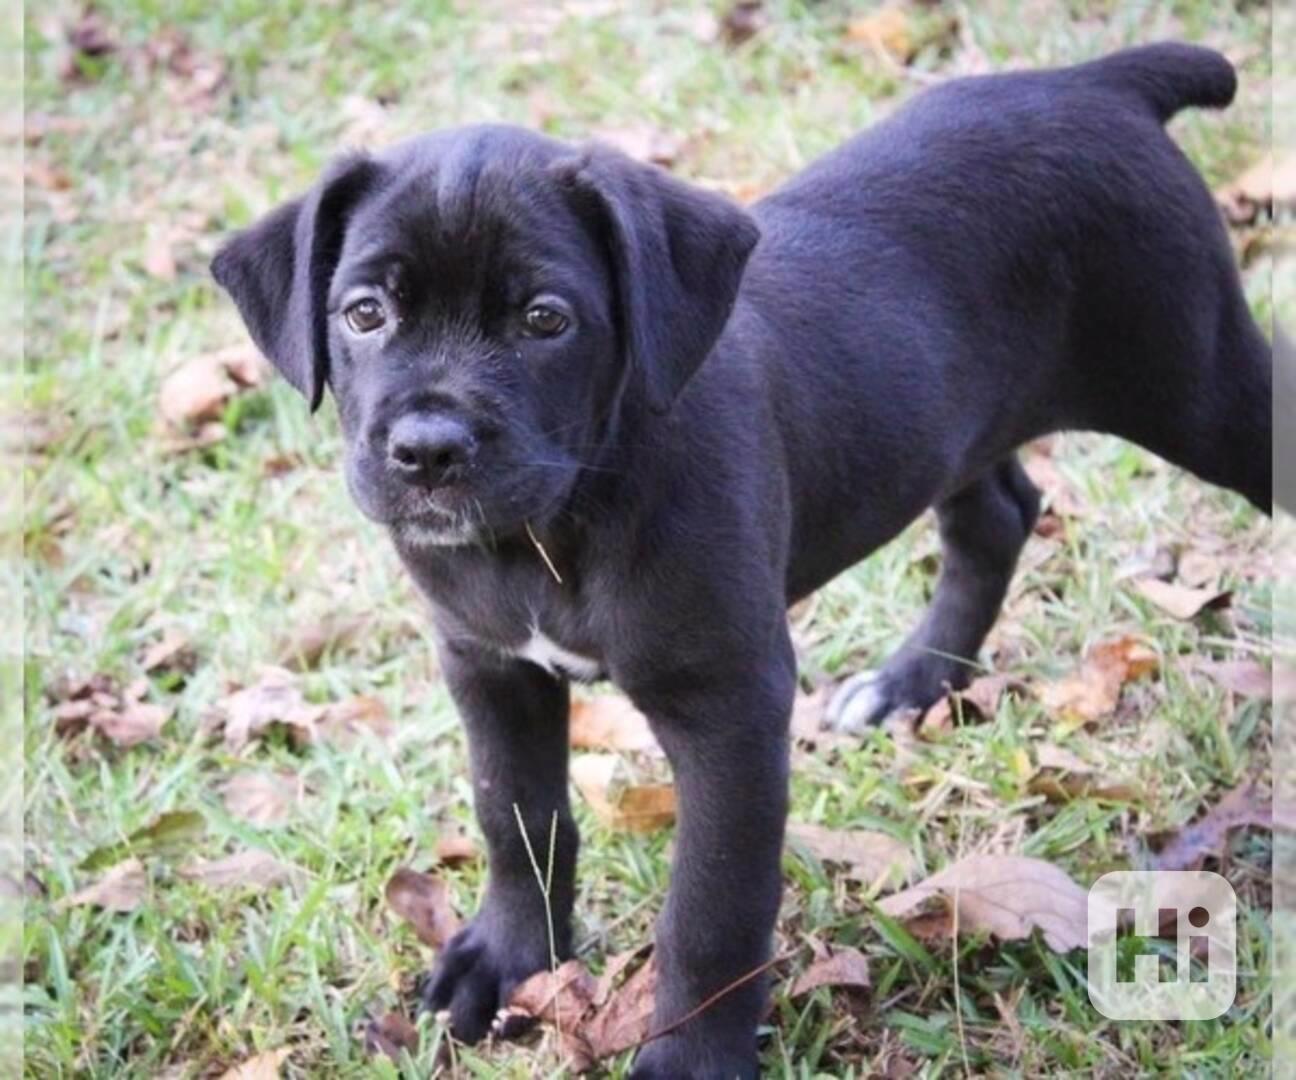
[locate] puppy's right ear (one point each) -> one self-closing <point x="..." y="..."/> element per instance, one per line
<point x="278" y="273"/>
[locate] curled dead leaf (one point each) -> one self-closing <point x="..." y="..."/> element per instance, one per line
<point x="840" y="966"/>
<point x="869" y="856"/>
<point x="1246" y="678"/>
<point x="252" y="867"/>
<point x="456" y="849"/>
<point x="1094" y="691"/>
<point x="172" y="652"/>
<point x="259" y="1067"/>
<point x="560" y="997"/>
<point x="619" y="801"/>
<point x="390" y="1035"/>
<point x="121" y="889"/>
<point x="198" y="390"/>
<point x="424" y="902"/>
<point x="1008" y="896"/>
<point x="1246" y="805"/>
<point x="609" y="722"/>
<point x="261" y="798"/>
<point x="980" y="700"/>
<point x="1181" y="601"/>
<point x="626" y="1019"/>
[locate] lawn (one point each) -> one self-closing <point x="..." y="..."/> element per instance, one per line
<point x="153" y="129"/>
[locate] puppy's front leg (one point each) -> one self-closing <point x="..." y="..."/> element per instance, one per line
<point x="516" y="718"/>
<point x="728" y="747"/>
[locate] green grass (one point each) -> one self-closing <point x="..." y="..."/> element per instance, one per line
<point x="126" y="539"/>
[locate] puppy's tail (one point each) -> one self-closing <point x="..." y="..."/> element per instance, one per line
<point x="1168" y="76"/>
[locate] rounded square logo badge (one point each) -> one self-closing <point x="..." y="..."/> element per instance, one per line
<point x="1162" y="945"/>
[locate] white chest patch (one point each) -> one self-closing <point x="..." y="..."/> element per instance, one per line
<point x="553" y="657"/>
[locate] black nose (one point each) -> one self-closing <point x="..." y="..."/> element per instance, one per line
<point x="429" y="450"/>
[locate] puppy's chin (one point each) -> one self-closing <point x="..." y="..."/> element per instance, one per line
<point x="425" y="534"/>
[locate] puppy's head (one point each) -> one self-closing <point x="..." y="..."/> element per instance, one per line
<point x="483" y="304"/>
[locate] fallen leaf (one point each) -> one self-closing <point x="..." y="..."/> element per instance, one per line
<point x="616" y="800"/>
<point x="121" y="889"/>
<point x="198" y="390"/>
<point x="1181" y="601"/>
<point x="980" y="699"/>
<point x="1267" y="188"/>
<point x="1246" y="678"/>
<point x="1197" y="569"/>
<point x="311" y="642"/>
<point x="807" y="723"/>
<point x="342" y="723"/>
<point x="742" y="21"/>
<point x="1065" y="776"/>
<point x="884" y="30"/>
<point x="1005" y="895"/>
<point x="172" y="652"/>
<point x="1246" y="805"/>
<point x="1094" y="691"/>
<point x="261" y="798"/>
<point x="560" y="997"/>
<point x="251" y="867"/>
<point x="390" y="1035"/>
<point x="274" y="698"/>
<point x="609" y="722"/>
<point x="842" y="966"/>
<point x="261" y="1067"/>
<point x="612" y="971"/>
<point x="870" y="857"/>
<point x="643" y="143"/>
<point x="1060" y="495"/>
<point x="456" y="849"/>
<point x="159" y="257"/>
<point x="626" y="1020"/>
<point x="135" y="722"/>
<point x="170" y="834"/>
<point x="424" y="902"/>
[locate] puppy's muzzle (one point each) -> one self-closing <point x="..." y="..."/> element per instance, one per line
<point x="430" y="450"/>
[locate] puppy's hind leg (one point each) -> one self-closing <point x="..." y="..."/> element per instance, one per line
<point x="983" y="528"/>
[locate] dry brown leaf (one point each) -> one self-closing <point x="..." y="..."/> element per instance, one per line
<point x="1060" y="495"/>
<point x="870" y="857"/>
<point x="251" y="867"/>
<point x="1246" y="805"/>
<point x="841" y="967"/>
<point x="742" y="21"/>
<point x="643" y="143"/>
<point x="626" y="1020"/>
<point x="560" y="997"/>
<point x="133" y="723"/>
<point x="260" y="1067"/>
<point x="159" y="256"/>
<point x="1196" y="568"/>
<point x="1268" y="186"/>
<point x="885" y="30"/>
<point x="389" y="1035"/>
<point x="1094" y="691"/>
<point x="612" y="971"/>
<point x="424" y="902"/>
<point x="619" y="802"/>
<point x="609" y="722"/>
<point x="1005" y="895"/>
<point x="1064" y="776"/>
<point x="456" y="849"/>
<point x="122" y="888"/>
<point x="980" y="699"/>
<point x="171" y="652"/>
<point x="807" y="723"/>
<point x="1181" y="601"/>
<point x="274" y="698"/>
<point x="342" y="723"/>
<point x="310" y="642"/>
<point x="261" y="798"/>
<point x="1246" y="678"/>
<point x="198" y="390"/>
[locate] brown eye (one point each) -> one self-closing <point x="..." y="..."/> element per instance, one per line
<point x="545" y="321"/>
<point x="365" y="316"/>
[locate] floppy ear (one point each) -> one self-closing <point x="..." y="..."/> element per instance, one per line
<point x="278" y="273"/>
<point x="678" y="253"/>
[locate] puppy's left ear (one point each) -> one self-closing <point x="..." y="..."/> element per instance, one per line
<point x="678" y="253"/>
<point x="278" y="273"/>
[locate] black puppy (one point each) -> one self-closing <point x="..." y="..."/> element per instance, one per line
<point x="615" y="424"/>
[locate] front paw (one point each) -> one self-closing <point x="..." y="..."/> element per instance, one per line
<point x="475" y="975"/>
<point x="678" y="1058"/>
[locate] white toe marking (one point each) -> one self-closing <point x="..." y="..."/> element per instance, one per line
<point x="855" y="701"/>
